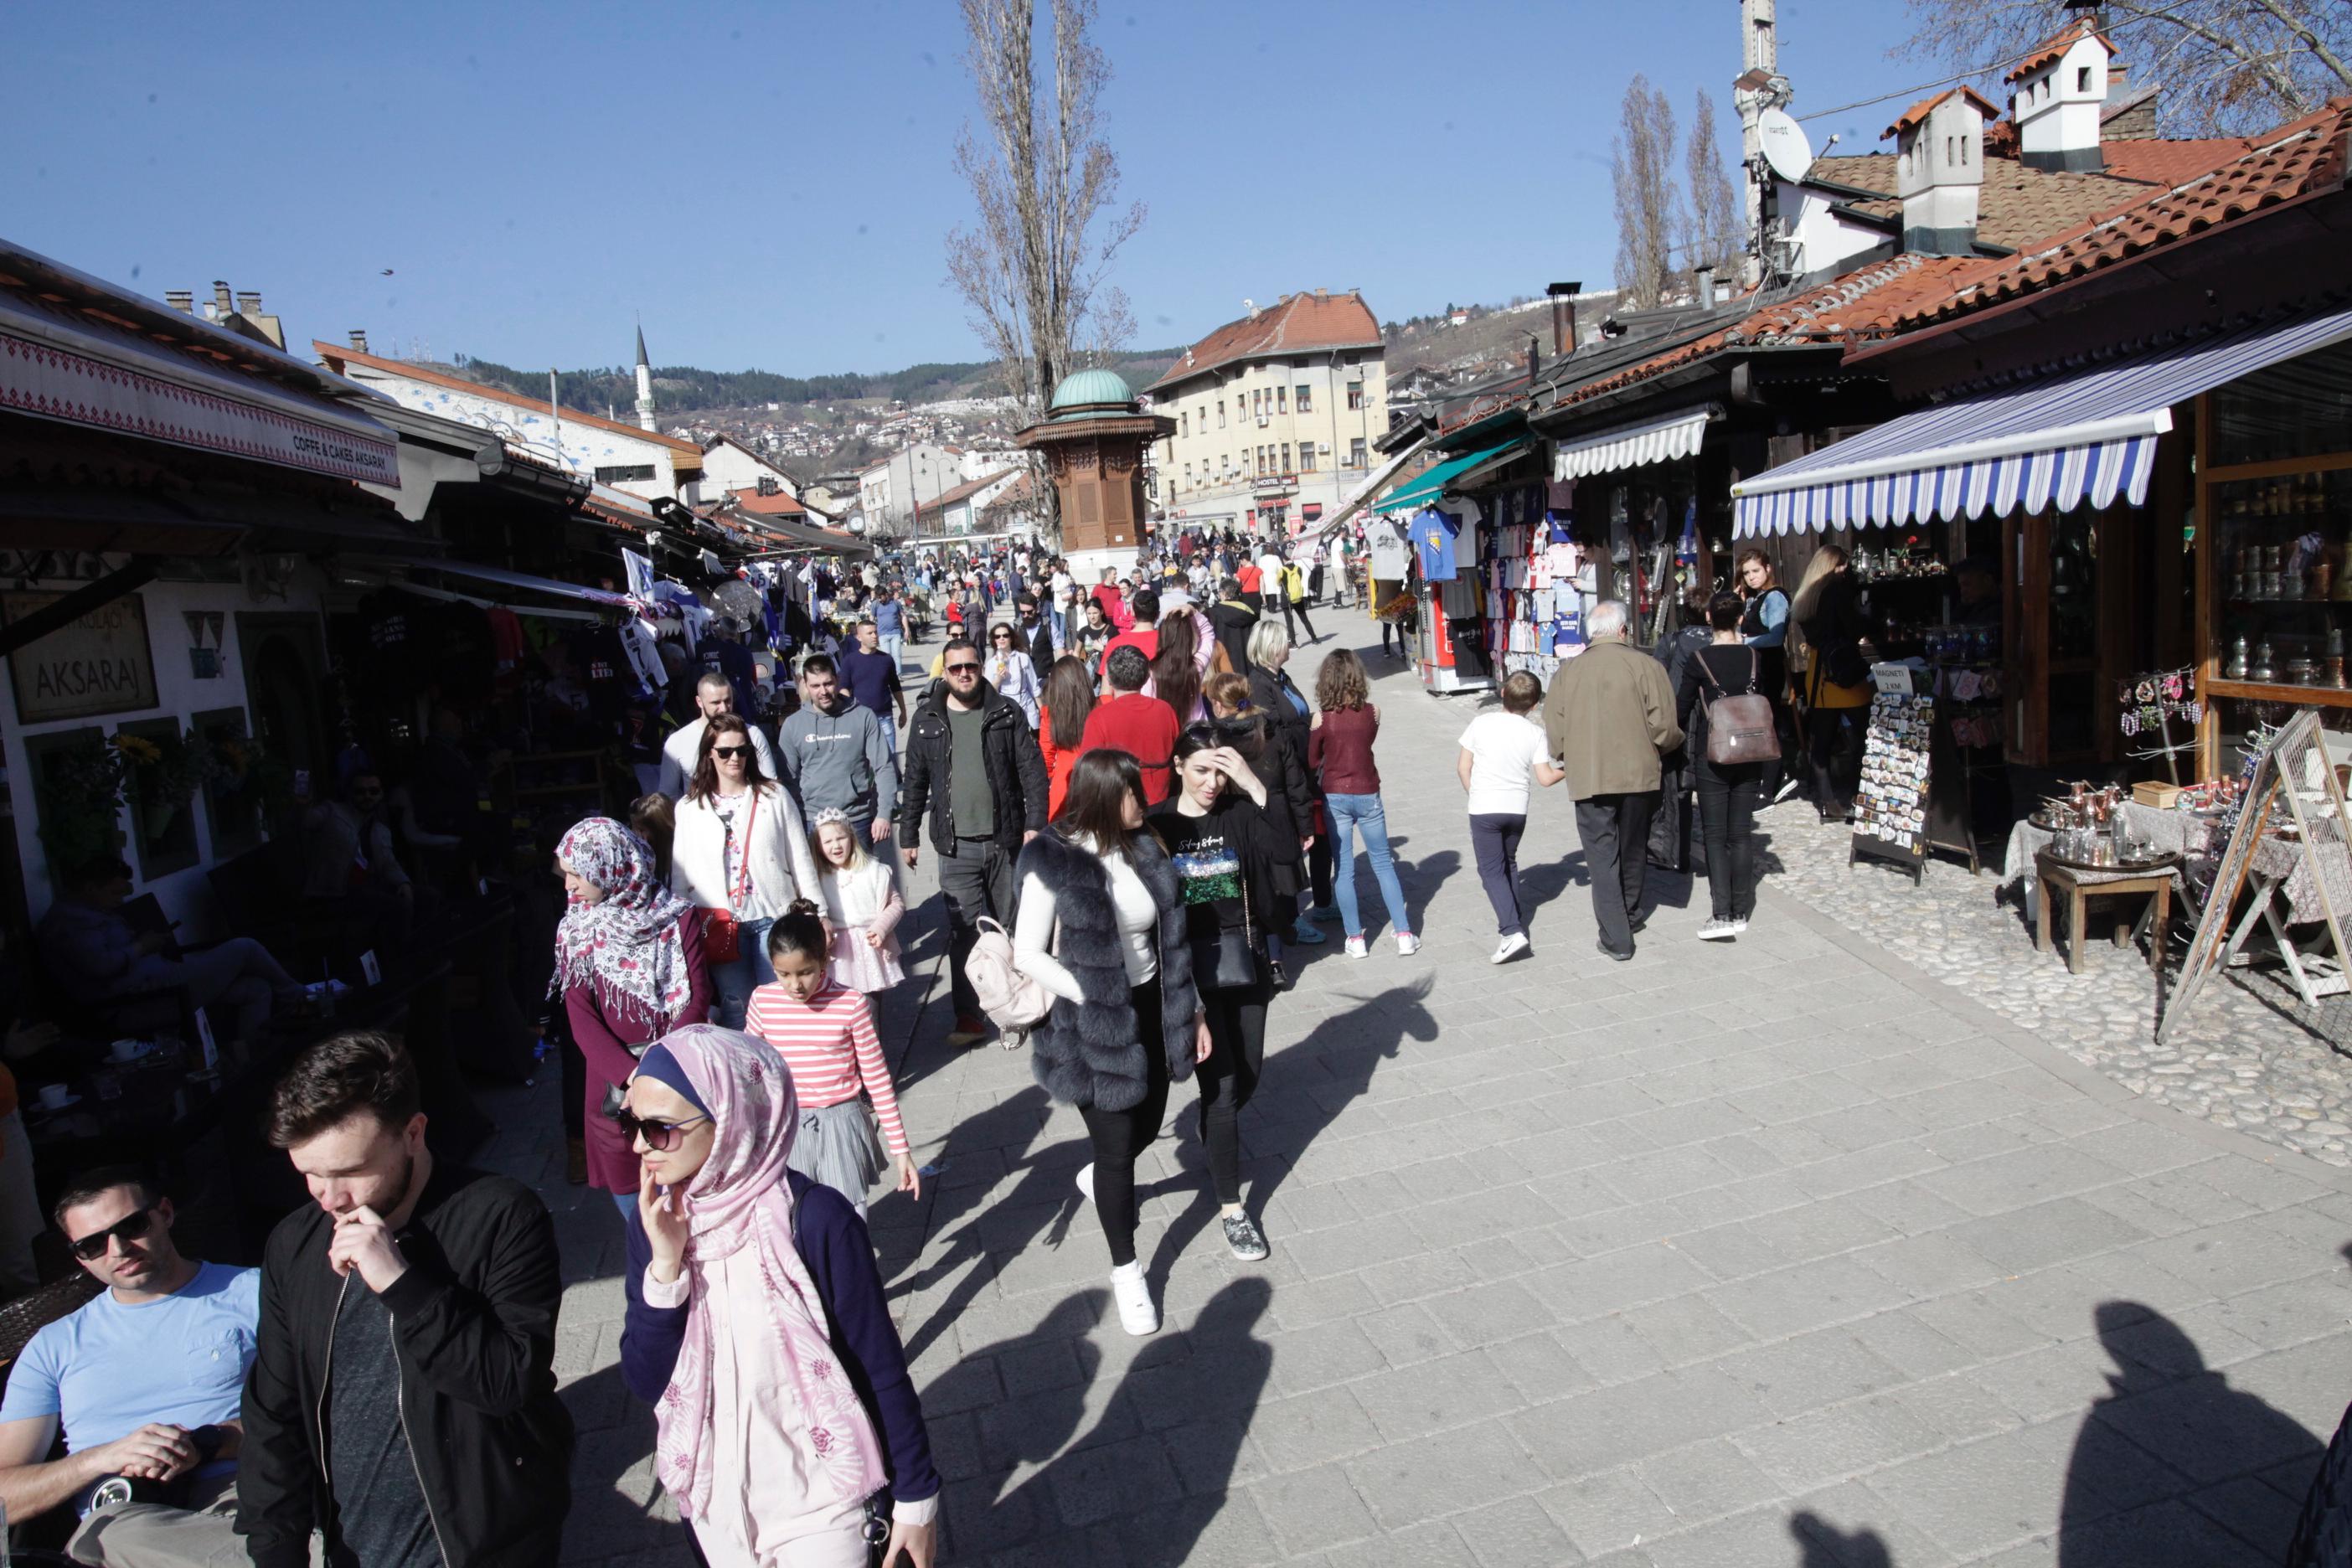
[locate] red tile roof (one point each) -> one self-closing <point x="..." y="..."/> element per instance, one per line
<point x="777" y="505"/>
<point x="2164" y="163"/>
<point x="2296" y="160"/>
<point x="1921" y="110"/>
<point x="1298" y="323"/>
<point x="2017" y="205"/>
<point x="2056" y="45"/>
<point x="337" y="356"/>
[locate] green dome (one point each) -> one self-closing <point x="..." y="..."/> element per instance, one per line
<point x="1088" y="387"/>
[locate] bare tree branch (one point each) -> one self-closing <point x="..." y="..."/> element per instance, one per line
<point x="1716" y="218"/>
<point x="1650" y="218"/>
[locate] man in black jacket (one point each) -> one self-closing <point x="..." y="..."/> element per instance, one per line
<point x="972" y="768"/>
<point x="402" y="1399"/>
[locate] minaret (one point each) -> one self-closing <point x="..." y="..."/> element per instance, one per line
<point x="645" y="385"/>
<point x="1760" y="87"/>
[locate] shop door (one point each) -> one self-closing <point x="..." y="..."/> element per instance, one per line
<point x="2067" y="623"/>
<point x="285" y="662"/>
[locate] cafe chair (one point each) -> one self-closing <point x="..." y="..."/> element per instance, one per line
<point x="41" y="1541"/>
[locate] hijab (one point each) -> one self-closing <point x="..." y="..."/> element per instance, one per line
<point x="628" y="946"/>
<point x="742" y="1197"/>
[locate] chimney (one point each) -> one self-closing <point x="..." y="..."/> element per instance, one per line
<point x="359" y="338"/>
<point x="180" y="300"/>
<point x="2060" y="89"/>
<point x="1939" y="171"/>
<point x="247" y="304"/>
<point x="1563" y="316"/>
<point x="221" y="301"/>
<point x="1703" y="285"/>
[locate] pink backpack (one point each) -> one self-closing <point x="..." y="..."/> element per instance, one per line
<point x="1015" y="1003"/>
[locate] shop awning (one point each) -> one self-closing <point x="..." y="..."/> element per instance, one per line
<point x="1656" y="440"/>
<point x="1428" y="486"/>
<point x="59" y="364"/>
<point x="1363" y="493"/>
<point x="2087" y="436"/>
<point x="549" y="585"/>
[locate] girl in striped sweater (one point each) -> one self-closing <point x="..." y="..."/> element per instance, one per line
<point x="824" y="1032"/>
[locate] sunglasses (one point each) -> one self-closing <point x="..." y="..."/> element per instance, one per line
<point x="130" y="1228"/>
<point x="963" y="670"/>
<point x="659" y="1136"/>
<point x="730" y="751"/>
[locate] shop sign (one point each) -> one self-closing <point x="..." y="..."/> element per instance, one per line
<point x="100" y="663"/>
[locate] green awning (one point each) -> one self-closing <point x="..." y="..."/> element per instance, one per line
<point x="1428" y="485"/>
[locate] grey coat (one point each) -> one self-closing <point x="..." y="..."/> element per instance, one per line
<point x="1090" y="1052"/>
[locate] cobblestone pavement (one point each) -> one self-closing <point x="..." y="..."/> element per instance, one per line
<point x="1773" y="1252"/>
<point x="2250" y="1053"/>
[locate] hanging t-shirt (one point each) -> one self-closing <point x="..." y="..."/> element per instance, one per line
<point x="1388" y="554"/>
<point x="1503" y="751"/>
<point x="1434" y="534"/>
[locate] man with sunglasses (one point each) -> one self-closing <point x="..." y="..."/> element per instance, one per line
<point x="682" y="753"/>
<point x="402" y="1394"/>
<point x="147" y="1380"/>
<point x="972" y="768"/>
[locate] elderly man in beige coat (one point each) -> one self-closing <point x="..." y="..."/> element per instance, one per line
<point x="1610" y="716"/>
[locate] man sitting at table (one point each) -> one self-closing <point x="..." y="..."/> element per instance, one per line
<point x="148" y="1380"/>
<point x="94" y="956"/>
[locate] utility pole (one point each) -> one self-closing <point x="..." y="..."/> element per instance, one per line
<point x="1760" y="86"/>
<point x="555" y="412"/>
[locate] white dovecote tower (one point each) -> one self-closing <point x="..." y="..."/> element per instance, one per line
<point x="645" y="385"/>
<point x="1760" y="86"/>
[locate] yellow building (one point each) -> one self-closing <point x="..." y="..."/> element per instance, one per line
<point x="1276" y="416"/>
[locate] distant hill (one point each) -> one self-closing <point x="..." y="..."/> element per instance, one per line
<point x="685" y="389"/>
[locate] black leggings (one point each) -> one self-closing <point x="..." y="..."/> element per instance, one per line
<point x="1118" y="1136"/>
<point x="1228" y="1078"/>
<point x="1297" y="608"/>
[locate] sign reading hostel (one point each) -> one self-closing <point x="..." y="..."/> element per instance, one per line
<point x="100" y="664"/>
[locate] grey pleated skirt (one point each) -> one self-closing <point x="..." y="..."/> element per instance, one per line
<point x="840" y="1147"/>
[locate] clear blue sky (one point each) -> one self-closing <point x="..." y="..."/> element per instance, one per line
<point x="769" y="185"/>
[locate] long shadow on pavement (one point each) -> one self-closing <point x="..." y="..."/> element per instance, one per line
<point x="1145" y="1484"/>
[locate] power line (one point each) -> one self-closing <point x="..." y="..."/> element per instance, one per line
<point x="1963" y="76"/>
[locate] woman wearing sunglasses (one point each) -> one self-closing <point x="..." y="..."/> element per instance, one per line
<point x="757" y="1327"/>
<point x="628" y="965"/>
<point x="739" y="854"/>
<point x="1011" y="670"/>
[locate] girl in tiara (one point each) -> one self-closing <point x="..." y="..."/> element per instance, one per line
<point x="863" y="903"/>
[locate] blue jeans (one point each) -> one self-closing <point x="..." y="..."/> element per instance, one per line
<point x="894" y="644"/>
<point x="1350" y="815"/>
<point x="732" y="983"/>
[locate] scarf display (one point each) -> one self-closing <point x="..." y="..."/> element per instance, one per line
<point x="628" y="946"/>
<point x="741" y="1198"/>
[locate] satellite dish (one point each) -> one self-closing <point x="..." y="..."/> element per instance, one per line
<point x="1784" y="143"/>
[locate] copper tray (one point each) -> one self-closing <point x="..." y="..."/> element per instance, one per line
<point x="2122" y="868"/>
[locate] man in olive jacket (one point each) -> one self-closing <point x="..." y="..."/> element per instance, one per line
<point x="1610" y="717"/>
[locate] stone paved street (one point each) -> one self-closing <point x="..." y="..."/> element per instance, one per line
<point x="1775" y="1252"/>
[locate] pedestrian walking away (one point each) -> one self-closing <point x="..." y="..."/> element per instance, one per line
<point x="1143" y="727"/>
<point x="1103" y="930"/>
<point x="850" y="1126"/>
<point x="1609" y="719"/>
<point x="786" y="1426"/>
<point x="1063" y="709"/>
<point x="1339" y="750"/>
<point x="976" y="779"/>
<point x="1830" y="621"/>
<point x="628" y="969"/>
<point x="1273" y="694"/>
<point x="402" y="1399"/>
<point x="1224" y="841"/>
<point x="1294" y="600"/>
<point x="738" y="853"/>
<point x="1503" y="757"/>
<point x="1730" y="792"/>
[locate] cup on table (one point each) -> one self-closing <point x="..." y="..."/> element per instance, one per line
<point x="126" y="1050"/>
<point x="53" y="1096"/>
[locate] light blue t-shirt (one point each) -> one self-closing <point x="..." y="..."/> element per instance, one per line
<point x="108" y="1370"/>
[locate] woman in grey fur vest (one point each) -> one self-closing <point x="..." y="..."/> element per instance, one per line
<point x="1101" y="926"/>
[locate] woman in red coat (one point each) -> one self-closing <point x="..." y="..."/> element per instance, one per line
<point x="628" y="964"/>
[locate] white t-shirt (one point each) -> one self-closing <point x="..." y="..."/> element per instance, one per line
<point x="1503" y="751"/>
<point x="1269" y="566"/>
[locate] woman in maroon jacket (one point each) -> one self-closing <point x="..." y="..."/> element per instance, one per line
<point x="1340" y="751"/>
<point x="628" y="964"/>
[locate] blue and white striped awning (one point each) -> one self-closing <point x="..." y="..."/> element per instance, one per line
<point x="2088" y="436"/>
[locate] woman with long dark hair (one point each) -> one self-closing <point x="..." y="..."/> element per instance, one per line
<point x="1224" y="840"/>
<point x="1176" y="667"/>
<point x="1007" y="669"/>
<point x="1828" y="613"/>
<point x="1068" y="698"/>
<point x="629" y="968"/>
<point x="1102" y="928"/>
<point x="739" y="850"/>
<point x="1728" y="793"/>
<point x="1764" y="626"/>
<point x="757" y="1327"/>
<point x="1275" y="695"/>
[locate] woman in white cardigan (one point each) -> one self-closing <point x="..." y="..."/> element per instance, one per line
<point x="739" y="846"/>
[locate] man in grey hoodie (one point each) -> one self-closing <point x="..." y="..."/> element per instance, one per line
<point x="834" y="752"/>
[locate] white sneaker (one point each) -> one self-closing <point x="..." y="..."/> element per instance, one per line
<point x="1356" y="948"/>
<point x="1128" y="1287"/>
<point x="1739" y="928"/>
<point x="1718" y="931"/>
<point x="1512" y="946"/>
<point x="1087" y="1180"/>
<point x="1407" y="945"/>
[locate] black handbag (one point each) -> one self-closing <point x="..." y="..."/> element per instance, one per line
<point x="1231" y="960"/>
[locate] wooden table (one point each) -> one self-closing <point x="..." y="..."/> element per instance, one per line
<point x="2079" y="886"/>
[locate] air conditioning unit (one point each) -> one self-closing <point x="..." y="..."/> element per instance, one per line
<point x="1324" y="447"/>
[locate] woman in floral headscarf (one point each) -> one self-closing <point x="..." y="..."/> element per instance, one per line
<point x="628" y="965"/>
<point x="757" y="1327"/>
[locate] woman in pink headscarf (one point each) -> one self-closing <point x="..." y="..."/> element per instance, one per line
<point x="628" y="969"/>
<point x="756" y="1328"/>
